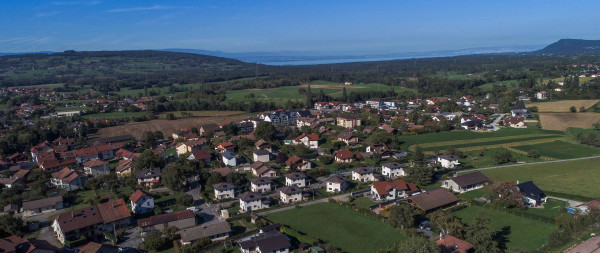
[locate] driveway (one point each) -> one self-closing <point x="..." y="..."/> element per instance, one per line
<point x="131" y="238"/>
<point x="494" y="124"/>
<point x="572" y="203"/>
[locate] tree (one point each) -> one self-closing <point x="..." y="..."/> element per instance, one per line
<point x="597" y="125"/>
<point x="533" y="154"/>
<point x="326" y="159"/>
<point x="344" y="95"/>
<point x="154" y="241"/>
<point x="507" y="194"/>
<point x="266" y="131"/>
<point x="444" y="125"/>
<point x="479" y="234"/>
<point x="419" y="172"/>
<point x="503" y="156"/>
<point x="149" y="160"/>
<point x="402" y="216"/>
<point x="173" y="177"/>
<point x="10" y="225"/>
<point x="445" y="221"/>
<point x="573" y="109"/>
<point x="281" y="158"/>
<point x="414" y="244"/>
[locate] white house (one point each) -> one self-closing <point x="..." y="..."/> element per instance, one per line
<point x="229" y="158"/>
<point x="309" y="140"/>
<point x="251" y="201"/>
<point x="532" y="194"/>
<point x="392" y="170"/>
<point x="389" y="190"/>
<point x="541" y="95"/>
<point x="336" y="183"/>
<point x="224" y="190"/>
<point x="141" y="202"/>
<point x="261" y="184"/>
<point x="261" y="155"/>
<point x="466" y="182"/>
<point x="290" y="194"/>
<point x="295" y="178"/>
<point x="448" y="161"/>
<point x="363" y="174"/>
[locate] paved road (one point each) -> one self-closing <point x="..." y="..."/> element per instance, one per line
<point x="494" y="124"/>
<point x="572" y="203"/>
<point x="522" y="164"/>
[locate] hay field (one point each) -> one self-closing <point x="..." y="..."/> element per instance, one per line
<point x="564" y="105"/>
<point x="562" y="121"/>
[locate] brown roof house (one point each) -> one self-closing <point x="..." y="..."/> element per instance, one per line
<point x="363" y="174"/>
<point x="261" y="184"/>
<point x="290" y="194"/>
<point x="451" y="244"/>
<point x="344" y="156"/>
<point x="96" y="167"/>
<point x="336" y="183"/>
<point x="40" y="206"/>
<point x="296" y="178"/>
<point x="182" y="219"/>
<point x="466" y="182"/>
<point x="433" y="200"/>
<point x="215" y="232"/>
<point x="148" y="177"/>
<point x="261" y="169"/>
<point x="298" y="162"/>
<point x="224" y="190"/>
<point x="68" y="179"/>
<point x="390" y="190"/>
<point x="251" y="201"/>
<point x="141" y="202"/>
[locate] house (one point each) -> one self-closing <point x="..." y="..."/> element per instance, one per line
<point x="15" y="244"/>
<point x="251" y="201"/>
<point x="363" y="174"/>
<point x="229" y="158"/>
<point x="336" y="183"/>
<point x="124" y="168"/>
<point x="290" y="194"/>
<point x="451" y="244"/>
<point x="19" y="177"/>
<point x="181" y="220"/>
<point x="148" y="177"/>
<point x="390" y="190"/>
<point x="380" y="149"/>
<point x="296" y="178"/>
<point x="433" y="200"/>
<point x="299" y="163"/>
<point x="260" y="169"/>
<point x="264" y="145"/>
<point x="91" y="221"/>
<point x="224" y="190"/>
<point x="93" y="247"/>
<point x="474" y="124"/>
<point x="533" y="195"/>
<point x="40" y="206"/>
<point x="212" y="127"/>
<point x="141" y="202"/>
<point x="261" y="184"/>
<point x="200" y="155"/>
<point x="518" y="111"/>
<point x="225" y="146"/>
<point x="515" y="122"/>
<point x="448" y="161"/>
<point x="11" y="209"/>
<point x="96" y="167"/>
<point x="348" y="137"/>
<point x="309" y="140"/>
<point x="215" y="231"/>
<point x="348" y="121"/>
<point x="392" y="170"/>
<point x="466" y="182"/>
<point x="261" y="155"/>
<point x="541" y="95"/>
<point x="267" y="242"/>
<point x="190" y="146"/>
<point x="344" y="156"/>
<point x="68" y="179"/>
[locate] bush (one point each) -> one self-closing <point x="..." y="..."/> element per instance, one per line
<point x="325" y="159"/>
<point x="185" y="200"/>
<point x="533" y="153"/>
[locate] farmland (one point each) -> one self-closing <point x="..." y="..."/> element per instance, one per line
<point x="562" y="121"/>
<point x="168" y="127"/>
<point x="508" y="85"/>
<point x="561" y="149"/>
<point x="578" y="178"/>
<point x="486" y="157"/>
<point x="563" y="106"/>
<point x="340" y="227"/>
<point x="525" y="234"/>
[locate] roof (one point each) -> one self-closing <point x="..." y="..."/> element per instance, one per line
<point x="592" y="245"/>
<point x="201" y="231"/>
<point x="250" y="196"/>
<point x="223" y="186"/>
<point x="210" y="127"/>
<point x="228" y="155"/>
<point x="7" y="246"/>
<point x="363" y="170"/>
<point x="94" y="163"/>
<point x="261" y="142"/>
<point x="224" y="171"/>
<point x="295" y="175"/>
<point x="225" y="144"/>
<point x="448" y="157"/>
<point x="337" y="178"/>
<point x="114" y="210"/>
<point x="68" y="175"/>
<point x="451" y="244"/>
<point x="434" y="199"/>
<point x="289" y="190"/>
<point x="137" y="195"/>
<point x="344" y="154"/>
<point x="267" y="242"/>
<point x="393" y="165"/>
<point x="152" y="172"/>
<point x="530" y="190"/>
<point x="201" y="154"/>
<point x="93" y="247"/>
<point x="346" y="136"/>
<point x="261" y="152"/>
<point x="166" y="218"/>
<point x="383" y="187"/>
<point x="79" y="218"/>
<point x="470" y="179"/>
<point x="261" y="180"/>
<point x="293" y="160"/>
<point x="311" y="137"/>
<point x="35" y="204"/>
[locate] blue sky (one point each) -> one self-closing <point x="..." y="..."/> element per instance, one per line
<point x="324" y="26"/>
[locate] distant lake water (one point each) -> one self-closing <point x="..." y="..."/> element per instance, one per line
<point x="328" y="61"/>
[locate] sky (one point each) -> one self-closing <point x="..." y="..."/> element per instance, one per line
<point x="311" y="26"/>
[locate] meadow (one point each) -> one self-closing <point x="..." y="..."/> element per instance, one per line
<point x="563" y="105"/>
<point x="340" y="227"/>
<point x="561" y="149"/>
<point x="563" y="121"/>
<point x="507" y="85"/>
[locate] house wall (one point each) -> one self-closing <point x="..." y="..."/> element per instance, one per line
<point x="363" y="178"/>
<point x="290" y="198"/>
<point x="144" y="205"/>
<point x="260" y="188"/>
<point x="224" y="194"/>
<point x="300" y="183"/>
<point x="232" y="162"/>
<point x="261" y="158"/>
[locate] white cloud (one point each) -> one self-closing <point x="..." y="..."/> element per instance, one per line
<point x="77" y="2"/>
<point x="155" y="7"/>
<point x="47" y="14"/>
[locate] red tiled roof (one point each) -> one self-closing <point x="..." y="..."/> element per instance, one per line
<point x="344" y="154"/>
<point x="94" y="163"/>
<point x="114" y="210"/>
<point x="383" y="187"/>
<point x="451" y="244"/>
<point x="136" y="196"/>
<point x="80" y="218"/>
<point x="293" y="160"/>
<point x="201" y="154"/>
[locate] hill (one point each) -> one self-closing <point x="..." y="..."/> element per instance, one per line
<point x="571" y="46"/>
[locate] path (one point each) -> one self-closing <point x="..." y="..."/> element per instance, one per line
<point x="494" y="124"/>
<point x="572" y="203"/>
<point x="523" y="164"/>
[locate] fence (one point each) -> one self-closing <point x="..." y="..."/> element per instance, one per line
<point x="516" y="212"/>
<point x="358" y="193"/>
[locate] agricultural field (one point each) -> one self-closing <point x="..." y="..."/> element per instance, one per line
<point x="562" y="121"/>
<point x="475" y="144"/>
<point x="168" y="127"/>
<point x="561" y="149"/>
<point x="524" y="233"/>
<point x="563" y="105"/>
<point x="507" y="85"/>
<point x="486" y="158"/>
<point x="578" y="178"/>
<point x="340" y="227"/>
<point x="113" y="115"/>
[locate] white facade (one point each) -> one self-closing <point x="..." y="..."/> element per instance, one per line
<point x="224" y="194"/>
<point x="285" y="198"/>
<point x="392" y="171"/>
<point x="266" y="187"/>
<point x="367" y="177"/>
<point x="300" y="182"/>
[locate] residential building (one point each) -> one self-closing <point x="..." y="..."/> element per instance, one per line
<point x="541" y="95"/>
<point x="380" y="149"/>
<point x="363" y="174"/>
<point x="518" y="111"/>
<point x="260" y="169"/>
<point x="261" y="184"/>
<point x="448" y="161"/>
<point x="225" y="146"/>
<point x="18" y="177"/>
<point x="268" y="242"/>
<point x="35" y="207"/>
<point x="309" y="140"/>
<point x="224" y="190"/>
<point x="148" y="177"/>
<point x="216" y="231"/>
<point x="290" y="194"/>
<point x="392" y="170"/>
<point x="261" y="155"/>
<point x="466" y="182"/>
<point x="96" y="167"/>
<point x="68" y="179"/>
<point x="93" y="247"/>
<point x="348" y="137"/>
<point x="451" y="244"/>
<point x="211" y="127"/>
<point x="124" y="168"/>
<point x="141" y="202"/>
<point x="390" y="190"/>
<point x="296" y="178"/>
<point x="348" y="121"/>
<point x="181" y="220"/>
<point x="264" y="145"/>
<point x="515" y="122"/>
<point x="344" y="156"/>
<point x="336" y="183"/>
<point x="299" y="163"/>
<point x="433" y="200"/>
<point x="190" y="146"/>
<point x="229" y="158"/>
<point x="251" y="201"/>
<point x="532" y="194"/>
<point x="200" y="155"/>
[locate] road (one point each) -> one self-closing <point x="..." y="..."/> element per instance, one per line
<point x="523" y="164"/>
<point x="494" y="124"/>
<point x="572" y="203"/>
<point x="343" y="197"/>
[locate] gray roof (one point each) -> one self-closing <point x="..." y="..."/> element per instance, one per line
<point x="261" y="180"/>
<point x="470" y="179"/>
<point x="261" y="152"/>
<point x="35" y="204"/>
<point x="250" y="196"/>
<point x="448" y="157"/>
<point x="336" y="179"/>
<point x="290" y="190"/>
<point x="392" y="165"/>
<point x="147" y="173"/>
<point x="223" y="186"/>
<point x="202" y="231"/>
<point x="295" y="175"/>
<point x="271" y="241"/>
<point x="228" y="155"/>
<point x="363" y="170"/>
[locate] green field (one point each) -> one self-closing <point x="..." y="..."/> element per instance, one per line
<point x="579" y="178"/>
<point x="112" y="115"/>
<point x="508" y="85"/>
<point x="525" y="234"/>
<point x="474" y="159"/>
<point x="561" y="149"/>
<point x="340" y="227"/>
<point x="490" y="142"/>
<point x="363" y="202"/>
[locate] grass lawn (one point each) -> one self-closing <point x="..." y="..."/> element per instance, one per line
<point x="508" y="85"/>
<point x="340" y="227"/>
<point x="363" y="202"/>
<point x="485" y="142"/>
<point x="552" y="209"/>
<point x="561" y="149"/>
<point x="579" y="178"/>
<point x="86" y="198"/>
<point x="525" y="234"/>
<point x="488" y="159"/>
